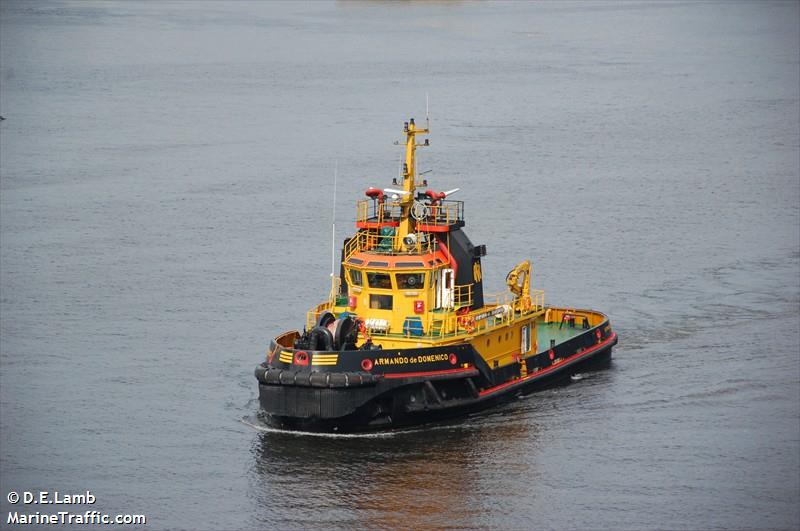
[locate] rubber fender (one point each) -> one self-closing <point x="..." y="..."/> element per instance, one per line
<point x="273" y="377"/>
<point x="260" y="373"/>
<point x="318" y="379"/>
<point x="325" y="318"/>
<point x="338" y="379"/>
<point x="302" y="379"/>
<point x="320" y="338"/>
<point x="287" y="377"/>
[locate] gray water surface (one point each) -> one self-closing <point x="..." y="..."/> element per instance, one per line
<point x="166" y="185"/>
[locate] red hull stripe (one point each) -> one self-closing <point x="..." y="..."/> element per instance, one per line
<point x="551" y="368"/>
<point x="428" y="373"/>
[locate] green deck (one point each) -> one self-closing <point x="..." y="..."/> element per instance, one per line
<point x="547" y="331"/>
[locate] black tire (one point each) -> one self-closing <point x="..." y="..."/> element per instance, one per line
<point x="325" y="318"/>
<point x="343" y="332"/>
<point x="320" y="338"/>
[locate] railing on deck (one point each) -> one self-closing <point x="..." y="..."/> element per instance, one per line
<point x="312" y="316"/>
<point x="537" y="298"/>
<point x="462" y="295"/>
<point x="386" y="244"/>
<point x="443" y="214"/>
<point x="368" y="210"/>
<point x="336" y="289"/>
<point x="502" y="310"/>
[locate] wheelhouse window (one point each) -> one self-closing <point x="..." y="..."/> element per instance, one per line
<point x="379" y="280"/>
<point x="380" y="302"/>
<point x="410" y="280"/>
<point x="356" y="279"/>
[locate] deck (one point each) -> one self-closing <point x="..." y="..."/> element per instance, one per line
<point x="547" y="331"/>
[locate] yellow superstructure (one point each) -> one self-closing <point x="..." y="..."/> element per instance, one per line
<point x="411" y="278"/>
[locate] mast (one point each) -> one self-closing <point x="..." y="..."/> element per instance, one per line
<point x="334" y="287"/>
<point x="409" y="180"/>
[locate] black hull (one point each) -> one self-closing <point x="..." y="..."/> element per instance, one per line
<point x="382" y="404"/>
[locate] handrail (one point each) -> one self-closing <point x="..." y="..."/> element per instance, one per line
<point x="445" y="212"/>
<point x="386" y="244"/>
<point x="312" y="315"/>
<point x="502" y="311"/>
<point x="462" y="295"/>
<point x="377" y="211"/>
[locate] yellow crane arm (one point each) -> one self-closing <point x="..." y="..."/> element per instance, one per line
<point x="520" y="286"/>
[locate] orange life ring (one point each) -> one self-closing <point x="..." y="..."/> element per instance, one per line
<point x="362" y="329"/>
<point x="467" y="323"/>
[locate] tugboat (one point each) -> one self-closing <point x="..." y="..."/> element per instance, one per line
<point x="407" y="335"/>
